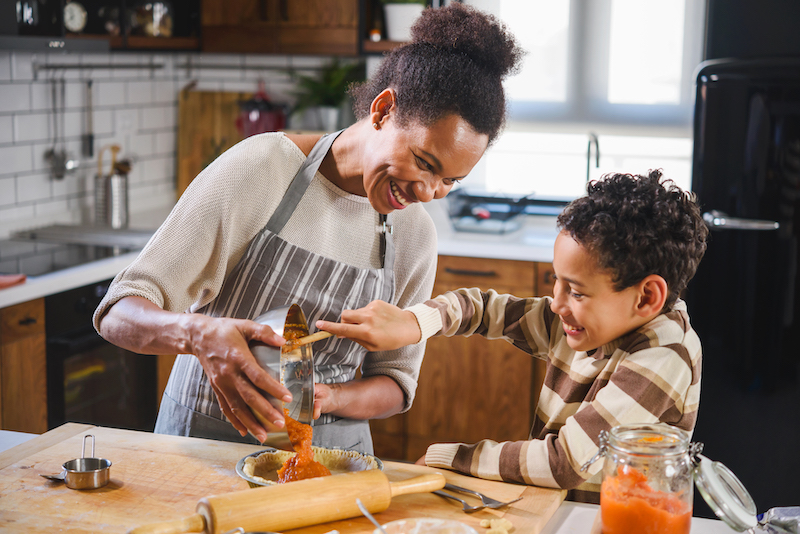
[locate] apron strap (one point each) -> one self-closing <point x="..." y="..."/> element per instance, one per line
<point x="298" y="187"/>
<point x="300" y="182"/>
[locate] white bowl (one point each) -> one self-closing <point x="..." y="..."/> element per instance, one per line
<point x="426" y="525"/>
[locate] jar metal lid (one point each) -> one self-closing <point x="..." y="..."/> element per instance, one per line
<point x="725" y="494"/>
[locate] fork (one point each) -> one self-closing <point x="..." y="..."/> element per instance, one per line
<point x="488" y="502"/>
<point x="467" y="508"/>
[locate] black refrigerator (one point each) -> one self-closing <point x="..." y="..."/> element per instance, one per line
<point x="744" y="301"/>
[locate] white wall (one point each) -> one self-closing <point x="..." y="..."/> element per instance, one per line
<point x="133" y="107"/>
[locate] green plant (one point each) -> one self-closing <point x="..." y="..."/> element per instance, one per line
<point x="329" y="86"/>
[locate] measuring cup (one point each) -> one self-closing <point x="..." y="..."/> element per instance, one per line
<point x="292" y="366"/>
<point x="83" y="472"/>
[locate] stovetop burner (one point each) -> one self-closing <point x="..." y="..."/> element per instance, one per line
<point x="36" y="258"/>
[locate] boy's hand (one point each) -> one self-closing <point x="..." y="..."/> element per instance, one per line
<point x="377" y="326"/>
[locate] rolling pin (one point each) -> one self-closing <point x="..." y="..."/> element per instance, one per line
<point x="297" y="504"/>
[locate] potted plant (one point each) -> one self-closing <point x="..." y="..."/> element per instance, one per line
<point x="399" y="16"/>
<point x="321" y="96"/>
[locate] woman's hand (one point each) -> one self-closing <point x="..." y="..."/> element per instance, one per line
<point x="221" y="346"/>
<point x="324" y="399"/>
<point x="377" y="326"/>
<point x="421" y="461"/>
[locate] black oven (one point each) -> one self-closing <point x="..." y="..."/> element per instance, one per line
<point x="88" y="379"/>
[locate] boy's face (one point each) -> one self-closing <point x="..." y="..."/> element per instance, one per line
<point x="592" y="312"/>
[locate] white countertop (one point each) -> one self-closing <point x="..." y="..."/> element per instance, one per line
<point x="532" y="242"/>
<point x="89" y="273"/>
<point x="577" y="518"/>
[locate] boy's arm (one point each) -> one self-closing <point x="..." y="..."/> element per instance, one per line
<point x="381" y="326"/>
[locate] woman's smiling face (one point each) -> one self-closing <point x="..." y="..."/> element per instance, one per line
<point x="592" y="311"/>
<point x="409" y="163"/>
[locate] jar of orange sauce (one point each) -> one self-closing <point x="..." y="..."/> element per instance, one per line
<point x="648" y="481"/>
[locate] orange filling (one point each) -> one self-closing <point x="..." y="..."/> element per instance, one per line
<point x="628" y="504"/>
<point x="302" y="465"/>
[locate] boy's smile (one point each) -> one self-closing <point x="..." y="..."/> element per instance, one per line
<point x="592" y="312"/>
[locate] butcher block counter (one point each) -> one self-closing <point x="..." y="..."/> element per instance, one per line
<point x="155" y="478"/>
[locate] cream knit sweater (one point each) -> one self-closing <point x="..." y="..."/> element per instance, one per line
<point x="184" y="265"/>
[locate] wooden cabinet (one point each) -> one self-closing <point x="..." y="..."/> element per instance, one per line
<point x="327" y="27"/>
<point x="23" y="368"/>
<point x="470" y="388"/>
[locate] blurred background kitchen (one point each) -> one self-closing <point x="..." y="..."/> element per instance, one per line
<point x="151" y="92"/>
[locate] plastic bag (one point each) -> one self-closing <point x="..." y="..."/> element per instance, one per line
<point x="785" y="520"/>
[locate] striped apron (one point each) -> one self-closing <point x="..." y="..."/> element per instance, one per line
<point x="274" y="273"/>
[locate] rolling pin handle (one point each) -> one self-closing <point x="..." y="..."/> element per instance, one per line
<point x="193" y="523"/>
<point x="420" y="484"/>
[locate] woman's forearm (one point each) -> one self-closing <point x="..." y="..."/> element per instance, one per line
<point x="373" y="397"/>
<point x="138" y="325"/>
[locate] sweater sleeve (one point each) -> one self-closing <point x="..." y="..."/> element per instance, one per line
<point x="524" y="322"/>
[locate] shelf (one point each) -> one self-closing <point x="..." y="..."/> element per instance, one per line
<point x="136" y="42"/>
<point x="379" y="47"/>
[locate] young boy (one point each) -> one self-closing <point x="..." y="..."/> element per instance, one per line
<point x="616" y="336"/>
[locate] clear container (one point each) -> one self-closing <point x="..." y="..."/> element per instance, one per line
<point x="647" y="481"/>
<point x="649" y="474"/>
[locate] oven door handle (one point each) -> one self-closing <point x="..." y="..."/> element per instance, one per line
<point x="79" y="342"/>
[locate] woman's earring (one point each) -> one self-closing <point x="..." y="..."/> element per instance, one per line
<point x="376" y="125"/>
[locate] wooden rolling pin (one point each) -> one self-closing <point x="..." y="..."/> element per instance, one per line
<point x="297" y="504"/>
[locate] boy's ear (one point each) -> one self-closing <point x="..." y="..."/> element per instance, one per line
<point x="653" y="293"/>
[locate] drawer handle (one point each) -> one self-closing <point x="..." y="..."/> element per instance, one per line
<point x="466" y="272"/>
<point x="27" y="321"/>
<point x="548" y="278"/>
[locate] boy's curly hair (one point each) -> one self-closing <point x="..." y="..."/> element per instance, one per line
<point x="637" y="226"/>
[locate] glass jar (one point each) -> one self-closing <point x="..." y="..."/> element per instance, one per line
<point x="647" y="481"/>
<point x="648" y="478"/>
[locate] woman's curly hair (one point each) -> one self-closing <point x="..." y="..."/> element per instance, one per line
<point x="637" y="226"/>
<point x="455" y="63"/>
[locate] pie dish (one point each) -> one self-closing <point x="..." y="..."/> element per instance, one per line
<point x="261" y="468"/>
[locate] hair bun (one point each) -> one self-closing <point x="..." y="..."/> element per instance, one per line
<point x="464" y="29"/>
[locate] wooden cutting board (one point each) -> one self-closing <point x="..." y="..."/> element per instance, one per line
<point x="206" y="129"/>
<point x="160" y="478"/>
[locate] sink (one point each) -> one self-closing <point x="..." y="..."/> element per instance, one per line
<point x="88" y="235"/>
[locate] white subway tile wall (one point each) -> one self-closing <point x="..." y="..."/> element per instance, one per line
<point x="136" y="108"/>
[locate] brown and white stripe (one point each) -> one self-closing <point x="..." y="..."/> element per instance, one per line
<point x="650" y="375"/>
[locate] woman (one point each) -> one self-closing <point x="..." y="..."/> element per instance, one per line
<point x="349" y="230"/>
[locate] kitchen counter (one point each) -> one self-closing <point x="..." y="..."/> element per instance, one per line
<point x="155" y="478"/>
<point x="151" y="482"/>
<point x="532" y="242"/>
<point x="89" y="273"/>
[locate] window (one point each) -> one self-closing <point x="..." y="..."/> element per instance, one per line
<point x="622" y="69"/>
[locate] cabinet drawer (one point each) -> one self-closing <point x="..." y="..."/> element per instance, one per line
<point x="458" y="271"/>
<point x="22" y="320"/>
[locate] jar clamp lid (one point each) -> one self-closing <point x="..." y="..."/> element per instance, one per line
<point x="720" y="488"/>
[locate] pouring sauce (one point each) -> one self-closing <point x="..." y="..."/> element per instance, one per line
<point x="302" y="465"/>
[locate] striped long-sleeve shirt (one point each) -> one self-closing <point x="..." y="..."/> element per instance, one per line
<point x="649" y="375"/>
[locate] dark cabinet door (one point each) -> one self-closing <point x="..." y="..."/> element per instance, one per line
<point x="240" y="26"/>
<point x="281" y="26"/>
